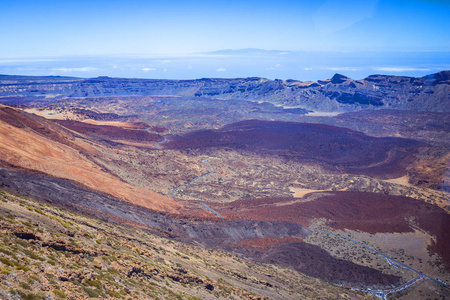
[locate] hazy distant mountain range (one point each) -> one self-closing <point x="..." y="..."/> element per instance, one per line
<point x="340" y="93"/>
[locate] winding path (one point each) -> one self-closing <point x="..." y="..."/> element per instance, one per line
<point x="392" y="262"/>
<point x="210" y="209"/>
<point x="159" y="143"/>
<point x="205" y="161"/>
<point x="396" y="264"/>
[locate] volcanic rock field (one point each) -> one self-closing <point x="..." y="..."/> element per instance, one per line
<point x="238" y="189"/>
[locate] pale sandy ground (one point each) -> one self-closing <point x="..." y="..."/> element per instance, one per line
<point x="415" y="243"/>
<point x="400" y="180"/>
<point x="299" y="192"/>
<point x="51" y="114"/>
<point x="123" y="124"/>
<point x="136" y="144"/>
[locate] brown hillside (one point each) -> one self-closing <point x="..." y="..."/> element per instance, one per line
<point x="367" y="212"/>
<point x="33" y="143"/>
<point x="114" y="133"/>
<point x="334" y="147"/>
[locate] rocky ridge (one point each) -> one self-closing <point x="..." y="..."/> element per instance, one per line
<point x="339" y="93"/>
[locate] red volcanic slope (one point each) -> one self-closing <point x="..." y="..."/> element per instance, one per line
<point x="33" y="144"/>
<point x="263" y="244"/>
<point x="110" y="132"/>
<point x="367" y="212"/>
<point x="335" y="147"/>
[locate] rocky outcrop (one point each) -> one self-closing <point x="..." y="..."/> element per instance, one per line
<point x="340" y="93"/>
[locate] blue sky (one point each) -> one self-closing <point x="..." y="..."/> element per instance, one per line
<point x="172" y="39"/>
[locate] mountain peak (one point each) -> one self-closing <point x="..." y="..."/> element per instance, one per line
<point x="338" y="78"/>
<point x="439" y="78"/>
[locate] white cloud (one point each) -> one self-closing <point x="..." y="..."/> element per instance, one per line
<point x="148" y="69"/>
<point x="399" y="69"/>
<point x="273" y="68"/>
<point x="341" y="68"/>
<point x="221" y="70"/>
<point x="83" y="69"/>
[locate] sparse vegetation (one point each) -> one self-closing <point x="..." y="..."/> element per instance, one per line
<point x="112" y="170"/>
<point x="158" y="270"/>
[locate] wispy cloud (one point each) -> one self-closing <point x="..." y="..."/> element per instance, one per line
<point x="274" y="68"/>
<point x="221" y="70"/>
<point x="400" y="69"/>
<point x="148" y="69"/>
<point x="340" y="68"/>
<point x="83" y="69"/>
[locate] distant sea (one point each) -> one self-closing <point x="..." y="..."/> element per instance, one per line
<point x="271" y="64"/>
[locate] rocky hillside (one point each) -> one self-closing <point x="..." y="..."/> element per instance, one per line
<point x="33" y="144"/>
<point x="340" y="93"/>
<point x="50" y="253"/>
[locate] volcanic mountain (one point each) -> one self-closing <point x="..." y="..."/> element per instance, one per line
<point x="29" y="143"/>
<point x="249" y="173"/>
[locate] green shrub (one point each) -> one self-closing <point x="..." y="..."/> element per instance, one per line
<point x="114" y="294"/>
<point x="25" y="285"/>
<point x="6" y="261"/>
<point x="113" y="271"/>
<point x="22" y="268"/>
<point x="5" y="271"/>
<point x="33" y="278"/>
<point x="94" y="283"/>
<point x="39" y="211"/>
<point x="29" y="296"/>
<point x="59" y="294"/>
<point x="52" y="262"/>
<point x="7" y="252"/>
<point x="32" y="254"/>
<point x="93" y="293"/>
<point x="22" y="243"/>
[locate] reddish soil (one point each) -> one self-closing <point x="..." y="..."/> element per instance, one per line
<point x="111" y="132"/>
<point x="123" y="124"/>
<point x="36" y="124"/>
<point x="35" y="145"/>
<point x="264" y="244"/>
<point x="334" y="147"/>
<point x="367" y="212"/>
<point x="226" y="235"/>
<point x="159" y="129"/>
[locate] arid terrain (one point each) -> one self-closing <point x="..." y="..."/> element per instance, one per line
<point x="231" y="189"/>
